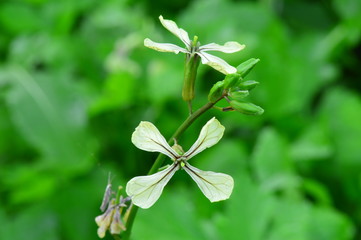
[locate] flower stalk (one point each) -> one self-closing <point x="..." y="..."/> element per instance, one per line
<point x="144" y="191"/>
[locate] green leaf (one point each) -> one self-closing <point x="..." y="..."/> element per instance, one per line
<point x="118" y="92"/>
<point x="163" y="214"/>
<point x="26" y="224"/>
<point x="248" y="213"/>
<point x="340" y="113"/>
<point x="48" y="112"/>
<point x="27" y="18"/>
<point x="272" y="165"/>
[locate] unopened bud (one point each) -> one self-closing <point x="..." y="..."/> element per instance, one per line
<point x="216" y="92"/>
<point x="246" y="108"/>
<point x="238" y="95"/>
<point x="231" y="80"/>
<point x="244" y="68"/>
<point x="247" y="85"/>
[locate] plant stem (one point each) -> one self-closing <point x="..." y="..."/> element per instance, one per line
<point x="160" y="159"/>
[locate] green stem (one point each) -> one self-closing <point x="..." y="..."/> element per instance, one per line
<point x="160" y="159"/>
<point x="119" y="193"/>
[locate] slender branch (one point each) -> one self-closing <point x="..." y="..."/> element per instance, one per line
<point x="160" y="159"/>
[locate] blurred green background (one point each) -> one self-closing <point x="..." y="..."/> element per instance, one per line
<point x="75" y="80"/>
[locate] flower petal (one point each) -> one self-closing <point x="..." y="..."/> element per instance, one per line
<point x="216" y="63"/>
<point x="147" y="137"/>
<point x="101" y="232"/>
<point x="173" y="28"/>
<point x="164" y="47"/>
<point x="228" y="47"/>
<point x="103" y="221"/>
<point x="117" y="225"/>
<point x="215" y="186"/>
<point x="210" y="134"/>
<point x="146" y="190"/>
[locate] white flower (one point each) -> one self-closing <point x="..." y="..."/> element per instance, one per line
<point x="193" y="48"/>
<point x="145" y="190"/>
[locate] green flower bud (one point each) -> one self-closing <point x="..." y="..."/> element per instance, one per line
<point x="247" y="85"/>
<point x="238" y="95"/>
<point x="216" y="92"/>
<point x="231" y="80"/>
<point x="246" y="108"/>
<point x="244" y="68"/>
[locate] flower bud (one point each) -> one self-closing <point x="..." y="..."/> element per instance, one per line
<point x="231" y="80"/>
<point x="246" y="108"/>
<point x="247" y="85"/>
<point x="244" y="68"/>
<point x="216" y="92"/>
<point x="239" y="95"/>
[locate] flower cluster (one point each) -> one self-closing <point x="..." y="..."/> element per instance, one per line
<point x="112" y="217"/>
<point x="145" y="190"/>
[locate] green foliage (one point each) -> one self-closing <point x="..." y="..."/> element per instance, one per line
<point x="75" y="80"/>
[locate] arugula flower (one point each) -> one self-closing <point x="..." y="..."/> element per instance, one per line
<point x="145" y="190"/>
<point x="193" y="47"/>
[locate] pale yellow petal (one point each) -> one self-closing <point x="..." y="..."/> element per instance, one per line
<point x="117" y="225"/>
<point x="104" y="220"/>
<point x="146" y="190"/>
<point x="228" y="47"/>
<point x="217" y="63"/>
<point x="147" y="137"/>
<point x="164" y="47"/>
<point x="215" y="186"/>
<point x="173" y="28"/>
<point x="210" y="134"/>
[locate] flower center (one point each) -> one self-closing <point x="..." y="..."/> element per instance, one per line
<point x="181" y="161"/>
<point x="194" y="45"/>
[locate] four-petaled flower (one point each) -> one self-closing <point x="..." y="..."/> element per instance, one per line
<point x="192" y="47"/>
<point x="145" y="190"/>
